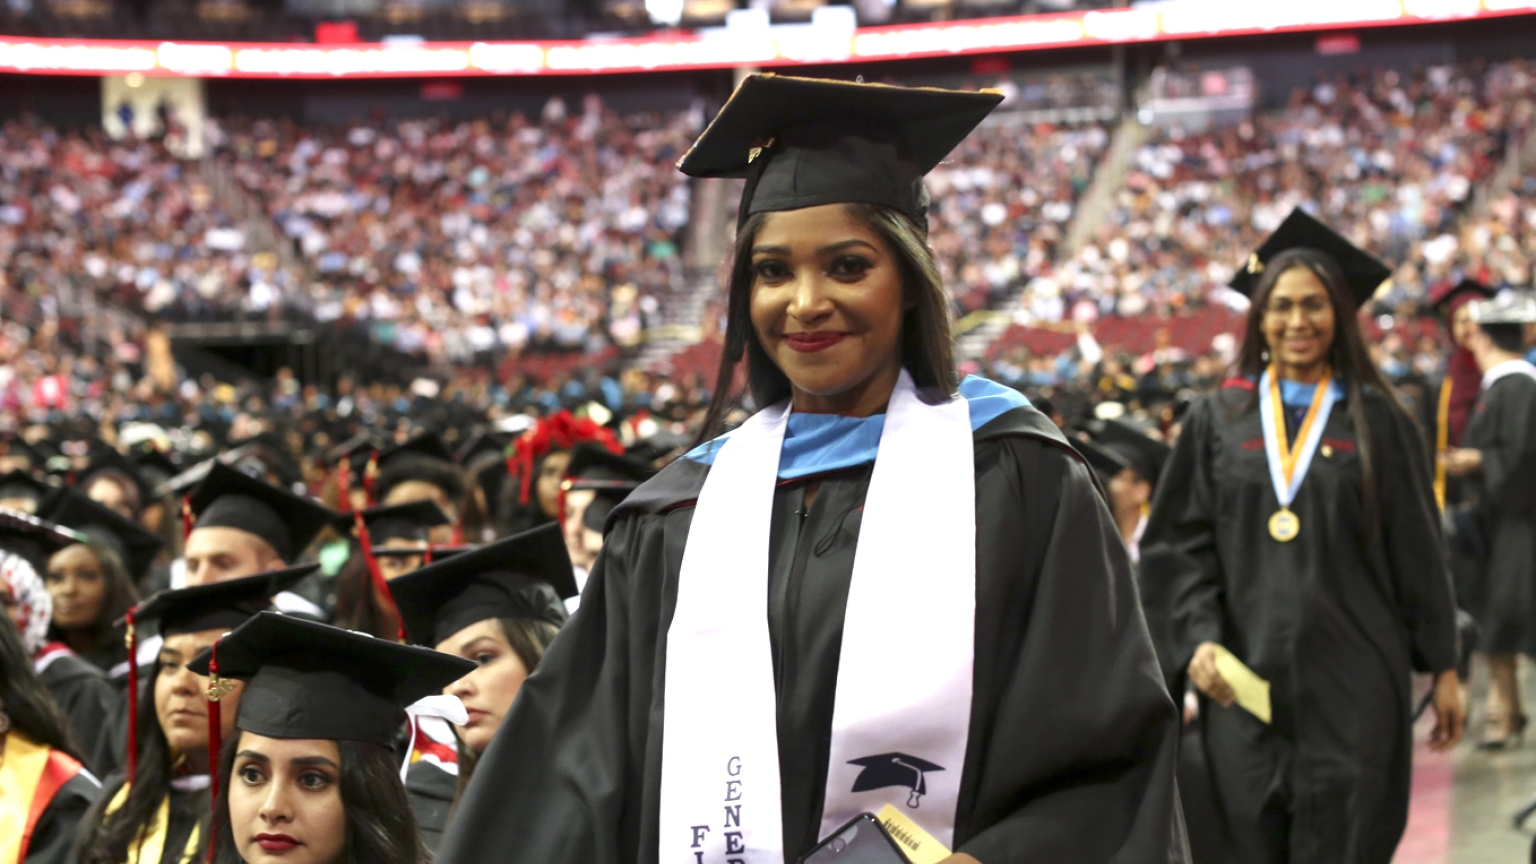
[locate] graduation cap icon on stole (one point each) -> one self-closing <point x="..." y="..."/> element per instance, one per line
<point x="894" y="769"/>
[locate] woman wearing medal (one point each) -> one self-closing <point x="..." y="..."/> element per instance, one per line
<point x="1299" y="515"/>
<point x="889" y="588"/>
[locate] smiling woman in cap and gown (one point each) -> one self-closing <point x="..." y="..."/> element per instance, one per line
<point x="311" y="774"/>
<point x="901" y="572"/>
<point x="1295" y="527"/>
<point x="155" y="810"/>
<point x="499" y="606"/>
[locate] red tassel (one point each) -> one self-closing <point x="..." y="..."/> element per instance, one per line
<point x="565" y="486"/>
<point x="215" y="744"/>
<point x="133" y="697"/>
<point x="426" y="557"/>
<point x="380" y="584"/>
<point x="370" y="477"/>
<point x="186" y="518"/>
<point x="458" y="534"/>
<point x="344" y="486"/>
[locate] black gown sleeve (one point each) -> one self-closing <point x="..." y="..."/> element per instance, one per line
<point x="1509" y="465"/>
<point x="556" y="785"/>
<point x="1085" y="680"/>
<point x="431" y="790"/>
<point x="1415" y="551"/>
<point x="53" y="838"/>
<point x="1181" y="538"/>
<point x="90" y="701"/>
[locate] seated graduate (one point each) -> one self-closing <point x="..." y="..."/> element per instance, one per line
<point x="391" y="541"/>
<point x="530" y="494"/>
<point x="499" y="606"/>
<point x="422" y="469"/>
<point x="310" y="774"/>
<point x="864" y="595"/>
<point x="85" y="694"/>
<point x="44" y="790"/>
<point x="22" y="492"/>
<point x="246" y="526"/>
<point x="596" y="481"/>
<point x="154" y="811"/>
<point x="95" y="582"/>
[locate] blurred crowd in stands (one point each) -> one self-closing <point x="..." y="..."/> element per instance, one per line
<point x="473" y="242"/>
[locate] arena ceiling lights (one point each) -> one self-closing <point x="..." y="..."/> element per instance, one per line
<point x="775" y="47"/>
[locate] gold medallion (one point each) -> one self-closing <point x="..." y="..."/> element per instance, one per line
<point x="1284" y="526"/>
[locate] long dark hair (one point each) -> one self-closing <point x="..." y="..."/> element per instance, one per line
<point x="357" y="607"/>
<point x="104" y="838"/>
<point x="529" y="638"/>
<point x="26" y="700"/>
<point x="927" y="338"/>
<point x="105" y="640"/>
<point x="1348" y="356"/>
<point x="381" y="829"/>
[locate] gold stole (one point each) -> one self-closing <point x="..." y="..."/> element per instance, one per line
<point x="1442" y="439"/>
<point x="21" y="769"/>
<point x="149" y="846"/>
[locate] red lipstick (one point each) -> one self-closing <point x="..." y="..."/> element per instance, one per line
<point x="806" y="343"/>
<point x="276" y="842"/>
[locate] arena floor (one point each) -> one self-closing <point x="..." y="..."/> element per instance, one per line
<point x="1463" y="801"/>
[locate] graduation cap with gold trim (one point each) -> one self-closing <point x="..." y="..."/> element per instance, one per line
<point x="526" y="575"/>
<point x="1363" y="272"/>
<point x="310" y="680"/>
<point x="804" y="142"/>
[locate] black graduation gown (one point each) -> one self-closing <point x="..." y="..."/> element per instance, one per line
<point x="90" y="701"/>
<point x="53" y="838"/>
<point x="1072" y="739"/>
<point x="431" y="790"/>
<point x="1503" y="428"/>
<point x="1336" y="620"/>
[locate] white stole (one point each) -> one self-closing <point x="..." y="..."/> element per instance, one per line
<point x="902" y="711"/>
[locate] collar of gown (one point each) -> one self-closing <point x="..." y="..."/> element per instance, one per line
<point x="818" y="443"/>
<point x="1508" y="367"/>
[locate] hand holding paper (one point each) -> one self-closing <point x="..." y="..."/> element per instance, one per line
<point x="1251" y="691"/>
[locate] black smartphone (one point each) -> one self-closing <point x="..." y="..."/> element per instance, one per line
<point x="862" y="841"/>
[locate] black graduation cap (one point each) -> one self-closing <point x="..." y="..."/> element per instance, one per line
<point x="1144" y="455"/>
<point x="894" y="769"/>
<point x="1106" y="462"/>
<point x="218" y="605"/>
<point x="526" y="575"/>
<point x="229" y="499"/>
<point x="1441" y="298"/>
<point x="437" y="553"/>
<point x="611" y="476"/>
<point x="1362" y="271"/>
<point x="410" y="521"/>
<point x="311" y="680"/>
<point x="15" y="445"/>
<point x="108" y="461"/>
<point x="427" y="444"/>
<point x="23" y="486"/>
<point x="412" y="465"/>
<point x="135" y="546"/>
<point x="34" y="539"/>
<point x="802" y="142"/>
<point x="485" y="443"/>
<point x="155" y="466"/>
